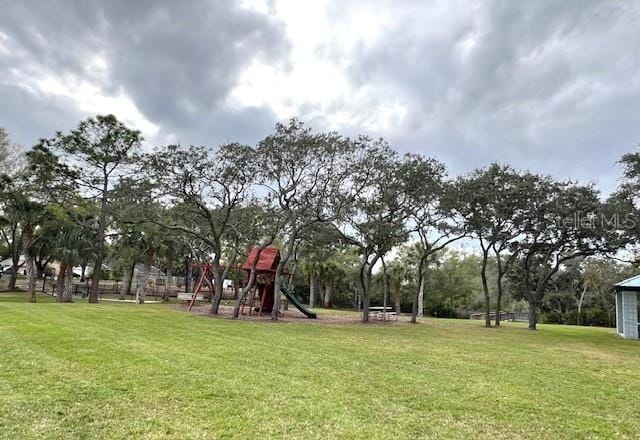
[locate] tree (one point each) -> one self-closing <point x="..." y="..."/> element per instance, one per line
<point x="10" y="227"/>
<point x="211" y="188"/>
<point x="398" y="274"/>
<point x="455" y="283"/>
<point x="330" y="274"/>
<point x="599" y="276"/>
<point x="303" y="174"/>
<point x="127" y="252"/>
<point x="69" y="245"/>
<point x="60" y="237"/>
<point x="319" y="243"/>
<point x="432" y="216"/>
<point x="311" y="269"/>
<point x="10" y="153"/>
<point x="376" y="222"/>
<point x="151" y="242"/>
<point x="94" y="157"/>
<point x="259" y="231"/>
<point x="5" y="145"/>
<point x="21" y="216"/>
<point x="12" y="192"/>
<point x="562" y="222"/>
<point x="493" y="201"/>
<point x="29" y="214"/>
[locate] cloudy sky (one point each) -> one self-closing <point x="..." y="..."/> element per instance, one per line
<point x="548" y="85"/>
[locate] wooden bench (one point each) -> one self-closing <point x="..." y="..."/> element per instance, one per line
<point x="186" y="296"/>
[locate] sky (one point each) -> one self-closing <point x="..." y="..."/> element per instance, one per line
<point x="549" y="86"/>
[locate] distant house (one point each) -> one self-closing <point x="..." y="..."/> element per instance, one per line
<point x="8" y="264"/>
<point x="157" y="278"/>
<point x="627" y="307"/>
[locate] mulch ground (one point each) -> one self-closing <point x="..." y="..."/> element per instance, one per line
<point x="291" y="315"/>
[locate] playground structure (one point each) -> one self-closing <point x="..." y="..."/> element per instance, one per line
<point x="204" y="284"/>
<point x="261" y="298"/>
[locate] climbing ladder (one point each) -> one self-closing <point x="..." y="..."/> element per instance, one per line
<point x="252" y="300"/>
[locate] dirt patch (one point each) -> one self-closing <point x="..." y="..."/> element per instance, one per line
<point x="292" y="315"/>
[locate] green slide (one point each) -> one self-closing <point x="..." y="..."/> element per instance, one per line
<point x="294" y="300"/>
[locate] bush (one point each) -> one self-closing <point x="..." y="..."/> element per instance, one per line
<point x="552" y="317"/>
<point x="589" y="317"/>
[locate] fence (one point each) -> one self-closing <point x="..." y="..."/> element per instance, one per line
<point x="504" y="316"/>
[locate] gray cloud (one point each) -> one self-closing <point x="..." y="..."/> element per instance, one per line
<point x="545" y="85"/>
<point x="46" y="114"/>
<point x="176" y="63"/>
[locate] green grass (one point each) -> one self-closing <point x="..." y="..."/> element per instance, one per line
<point x="126" y="371"/>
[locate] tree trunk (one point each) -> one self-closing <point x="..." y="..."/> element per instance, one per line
<point x="499" y="294"/>
<point x="129" y="284"/>
<point x="236" y="289"/>
<point x="499" y="287"/>
<point x="365" y="279"/>
<point x="417" y="302"/>
<point x="140" y="291"/>
<point x="312" y="291"/>
<point x="83" y="271"/>
<point x="27" y="237"/>
<point x="188" y="276"/>
<point x="31" y="279"/>
<point x="423" y="282"/>
<point x="126" y="282"/>
<point x="245" y="291"/>
<point x="68" y="284"/>
<point x="498" y="307"/>
<point x="328" y="296"/>
<point x="217" y="287"/>
<point x="168" y="282"/>
<point x="386" y="290"/>
<point x="533" y="318"/>
<point x="580" y="301"/>
<point x="62" y="273"/>
<point x="249" y="285"/>
<point x="277" y="283"/>
<point x="13" y="278"/>
<point x="366" y="298"/>
<point x="355" y="299"/>
<point x="485" y="290"/>
<point x="102" y="223"/>
<point x="40" y="265"/>
<point x="16" y="248"/>
<point x="397" y="298"/>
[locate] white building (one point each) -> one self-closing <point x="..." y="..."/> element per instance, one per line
<point x="627" y="307"/>
<point x="8" y="264"/>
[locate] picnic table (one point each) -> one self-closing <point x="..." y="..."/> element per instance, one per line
<point x="383" y="313"/>
<point x="186" y="296"/>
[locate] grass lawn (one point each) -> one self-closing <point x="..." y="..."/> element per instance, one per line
<point x="128" y="371"/>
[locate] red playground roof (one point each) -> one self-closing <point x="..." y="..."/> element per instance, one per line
<point x="268" y="261"/>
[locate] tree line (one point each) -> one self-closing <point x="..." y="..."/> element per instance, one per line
<point x="333" y="204"/>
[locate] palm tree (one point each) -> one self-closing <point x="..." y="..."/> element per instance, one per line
<point x="152" y="242"/>
<point x="331" y="272"/>
<point x="29" y="214"/>
<point x="398" y="274"/>
<point x="128" y="252"/>
<point x="311" y="269"/>
<point x="69" y="246"/>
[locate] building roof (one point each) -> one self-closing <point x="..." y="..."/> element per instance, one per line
<point x="632" y="283"/>
<point x="268" y="261"/>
